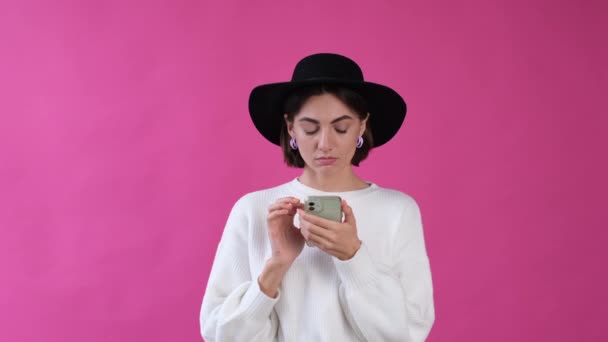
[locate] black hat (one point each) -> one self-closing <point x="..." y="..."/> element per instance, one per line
<point x="386" y="107"/>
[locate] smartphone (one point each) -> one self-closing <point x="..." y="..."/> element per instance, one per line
<point x="328" y="207"/>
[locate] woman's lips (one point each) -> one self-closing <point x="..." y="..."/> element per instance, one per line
<point x="326" y="160"/>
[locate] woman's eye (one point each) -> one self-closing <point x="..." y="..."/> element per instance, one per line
<point x="311" y="132"/>
<point x="341" y="131"/>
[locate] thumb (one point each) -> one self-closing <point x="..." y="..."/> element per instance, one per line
<point x="349" y="217"/>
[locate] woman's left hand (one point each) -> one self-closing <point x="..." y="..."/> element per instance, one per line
<point x="339" y="239"/>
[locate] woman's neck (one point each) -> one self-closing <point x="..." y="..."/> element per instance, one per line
<point x="345" y="181"/>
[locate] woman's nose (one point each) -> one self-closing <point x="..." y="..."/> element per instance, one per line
<point x="325" y="140"/>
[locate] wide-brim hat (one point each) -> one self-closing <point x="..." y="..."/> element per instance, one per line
<point x="386" y="107"/>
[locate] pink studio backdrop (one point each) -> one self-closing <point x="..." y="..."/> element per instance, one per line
<point x="125" y="139"/>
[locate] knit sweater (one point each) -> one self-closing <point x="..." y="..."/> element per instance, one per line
<point x="383" y="293"/>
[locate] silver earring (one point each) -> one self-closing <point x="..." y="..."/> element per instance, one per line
<point x="293" y="144"/>
<point x="360" y="142"/>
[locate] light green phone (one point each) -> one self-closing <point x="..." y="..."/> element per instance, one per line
<point x="328" y="207"/>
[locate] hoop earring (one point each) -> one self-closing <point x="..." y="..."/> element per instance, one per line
<point x="293" y="144"/>
<point x="360" y="142"/>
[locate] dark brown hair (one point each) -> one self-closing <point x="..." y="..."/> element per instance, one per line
<point x="350" y="98"/>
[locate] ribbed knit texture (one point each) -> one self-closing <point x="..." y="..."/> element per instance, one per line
<point x="383" y="293"/>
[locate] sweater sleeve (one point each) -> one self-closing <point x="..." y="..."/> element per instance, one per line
<point x="234" y="308"/>
<point x="390" y="302"/>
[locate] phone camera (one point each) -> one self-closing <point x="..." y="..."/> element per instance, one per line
<point x="311" y="206"/>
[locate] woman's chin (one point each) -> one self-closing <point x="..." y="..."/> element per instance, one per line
<point x="329" y="170"/>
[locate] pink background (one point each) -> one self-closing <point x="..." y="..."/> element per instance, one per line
<point x="125" y="139"/>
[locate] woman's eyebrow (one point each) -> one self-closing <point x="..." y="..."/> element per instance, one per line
<point x="343" y="117"/>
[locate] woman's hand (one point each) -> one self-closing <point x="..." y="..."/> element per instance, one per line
<point x="286" y="243"/>
<point x="334" y="238"/>
<point x="286" y="240"/>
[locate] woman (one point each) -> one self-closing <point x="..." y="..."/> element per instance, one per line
<point x="366" y="278"/>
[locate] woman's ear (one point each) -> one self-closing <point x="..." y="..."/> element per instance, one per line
<point x="288" y="124"/>
<point x="363" y="125"/>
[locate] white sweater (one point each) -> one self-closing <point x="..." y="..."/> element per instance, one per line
<point x="383" y="293"/>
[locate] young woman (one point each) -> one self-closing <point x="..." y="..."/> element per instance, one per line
<point x="283" y="274"/>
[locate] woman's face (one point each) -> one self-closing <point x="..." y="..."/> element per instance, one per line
<point x="326" y="132"/>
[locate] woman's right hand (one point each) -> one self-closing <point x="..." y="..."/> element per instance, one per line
<point x="285" y="239"/>
<point x="286" y="242"/>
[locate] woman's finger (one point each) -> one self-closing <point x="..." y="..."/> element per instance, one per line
<point x="320" y="232"/>
<point x="349" y="217"/>
<point x="278" y="206"/>
<point x="290" y="203"/>
<point x="321" y="242"/>
<point x="318" y="235"/>
<point x="316" y="220"/>
<point x="288" y="200"/>
<point x="277" y="213"/>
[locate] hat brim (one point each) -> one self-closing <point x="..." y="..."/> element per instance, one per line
<point x="386" y="107"/>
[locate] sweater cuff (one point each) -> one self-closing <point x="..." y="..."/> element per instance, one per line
<point x="256" y="303"/>
<point x="357" y="271"/>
